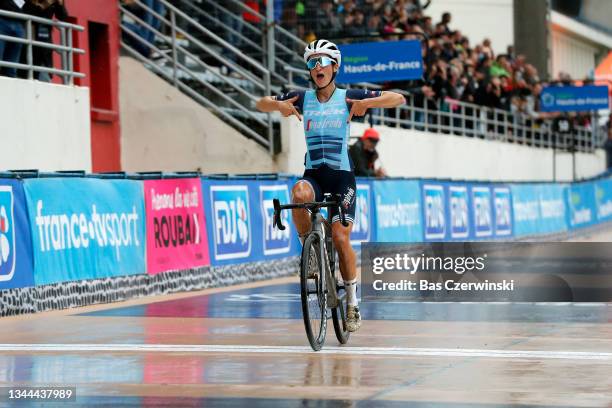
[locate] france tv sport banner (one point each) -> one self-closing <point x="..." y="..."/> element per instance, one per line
<point x="364" y="222"/>
<point x="380" y="61"/>
<point x="582" y="210"/>
<point x="538" y="208"/>
<point x="16" y="269"/>
<point x="176" y="228"/>
<point x="86" y="228"/>
<point x="398" y="211"/>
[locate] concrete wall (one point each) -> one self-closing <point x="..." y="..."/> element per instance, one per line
<point x="163" y="129"/>
<point x="478" y="19"/>
<point x="44" y="126"/>
<point x="411" y="153"/>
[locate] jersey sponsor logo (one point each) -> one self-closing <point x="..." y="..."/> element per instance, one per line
<point x="435" y="221"/>
<point x="7" y="234"/>
<point x="503" y="212"/>
<point x="275" y="241"/>
<point x="459" y="218"/>
<point x="231" y="221"/>
<point x="481" y="203"/>
<point x="361" y="224"/>
<point x="328" y="111"/>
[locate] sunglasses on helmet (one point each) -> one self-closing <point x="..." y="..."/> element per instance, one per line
<point x="322" y="61"/>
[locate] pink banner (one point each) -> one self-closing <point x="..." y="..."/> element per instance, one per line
<point x="176" y="227"/>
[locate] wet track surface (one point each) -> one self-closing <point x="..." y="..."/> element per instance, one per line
<point x="246" y="347"/>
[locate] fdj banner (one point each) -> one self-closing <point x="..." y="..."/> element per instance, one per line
<point x="363" y="223"/>
<point x="274" y="240"/>
<point x="398" y="211"/>
<point x="176" y="228"/>
<point x="86" y="228"/>
<point x="231" y="221"/>
<point x="15" y="241"/>
<point x="574" y="98"/>
<point x="482" y="211"/>
<point x="380" y="61"/>
<point x="434" y="211"/>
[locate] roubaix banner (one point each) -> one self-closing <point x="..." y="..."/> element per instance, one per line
<point x="86" y="228"/>
<point x="176" y="228"/>
<point x="574" y="98"/>
<point x="16" y="270"/>
<point x="398" y="211"/>
<point x="380" y="61"/>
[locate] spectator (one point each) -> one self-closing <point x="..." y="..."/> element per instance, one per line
<point x="11" y="51"/>
<point x="43" y="57"/>
<point x="446" y="19"/>
<point x="328" y="23"/>
<point x="363" y="155"/>
<point x="144" y="30"/>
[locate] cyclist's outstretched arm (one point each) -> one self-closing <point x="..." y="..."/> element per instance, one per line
<point x="285" y="107"/>
<point x="386" y="99"/>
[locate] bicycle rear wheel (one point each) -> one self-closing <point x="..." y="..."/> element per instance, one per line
<point x="338" y="313"/>
<point x="314" y="308"/>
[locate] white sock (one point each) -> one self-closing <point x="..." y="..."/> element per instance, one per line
<point x="351" y="292"/>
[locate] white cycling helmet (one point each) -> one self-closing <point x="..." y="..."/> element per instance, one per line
<point x="323" y="47"/>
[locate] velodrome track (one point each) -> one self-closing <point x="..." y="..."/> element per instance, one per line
<point x="245" y="345"/>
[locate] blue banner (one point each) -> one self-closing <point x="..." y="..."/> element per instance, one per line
<point x="435" y="214"/>
<point x="364" y="223"/>
<point x="538" y="209"/>
<point x="459" y="216"/>
<point x="86" y="228"/>
<point x="380" y="61"/>
<point x="603" y="198"/>
<point x="398" y="211"/>
<point x="16" y="269"/>
<point x="274" y="242"/>
<point x="574" y="98"/>
<point x="582" y="210"/>
<point x="482" y="211"/>
<point x="502" y="208"/>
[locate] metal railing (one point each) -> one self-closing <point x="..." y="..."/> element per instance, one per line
<point x="65" y="49"/>
<point x="466" y="119"/>
<point x="182" y="62"/>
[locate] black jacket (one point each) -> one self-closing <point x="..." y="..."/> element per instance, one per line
<point x="9" y="5"/>
<point x="363" y="161"/>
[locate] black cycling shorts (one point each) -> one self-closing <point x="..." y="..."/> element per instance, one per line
<point x="326" y="180"/>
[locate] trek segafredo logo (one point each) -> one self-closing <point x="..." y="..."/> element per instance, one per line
<point x="7" y="234"/>
<point x="231" y="221"/>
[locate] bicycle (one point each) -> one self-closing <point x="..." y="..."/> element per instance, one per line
<point x="319" y="291"/>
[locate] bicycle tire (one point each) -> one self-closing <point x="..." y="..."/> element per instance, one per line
<point x="338" y="313"/>
<point x="314" y="307"/>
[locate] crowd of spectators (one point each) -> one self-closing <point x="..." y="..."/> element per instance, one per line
<point x="13" y="52"/>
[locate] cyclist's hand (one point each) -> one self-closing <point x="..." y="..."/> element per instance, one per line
<point x="287" y="109"/>
<point x="359" y="107"/>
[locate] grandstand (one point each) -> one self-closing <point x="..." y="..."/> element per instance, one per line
<point x="141" y="263"/>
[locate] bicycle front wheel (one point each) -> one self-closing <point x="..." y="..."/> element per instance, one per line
<point x="314" y="308"/>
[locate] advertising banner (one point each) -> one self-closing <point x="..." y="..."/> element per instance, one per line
<point x="482" y="211"/>
<point x="86" y="228"/>
<point x="574" y="98"/>
<point x="459" y="210"/>
<point x="176" y="228"/>
<point x="582" y="210"/>
<point x="364" y="222"/>
<point x="274" y="242"/>
<point x="435" y="214"/>
<point x="502" y="210"/>
<point x="380" y="61"/>
<point x="603" y="198"/>
<point x="538" y="209"/>
<point x="16" y="269"/>
<point x="398" y="211"/>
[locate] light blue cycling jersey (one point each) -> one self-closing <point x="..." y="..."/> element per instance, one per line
<point x="327" y="133"/>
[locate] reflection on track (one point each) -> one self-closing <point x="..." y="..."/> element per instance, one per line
<point x="283" y="302"/>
